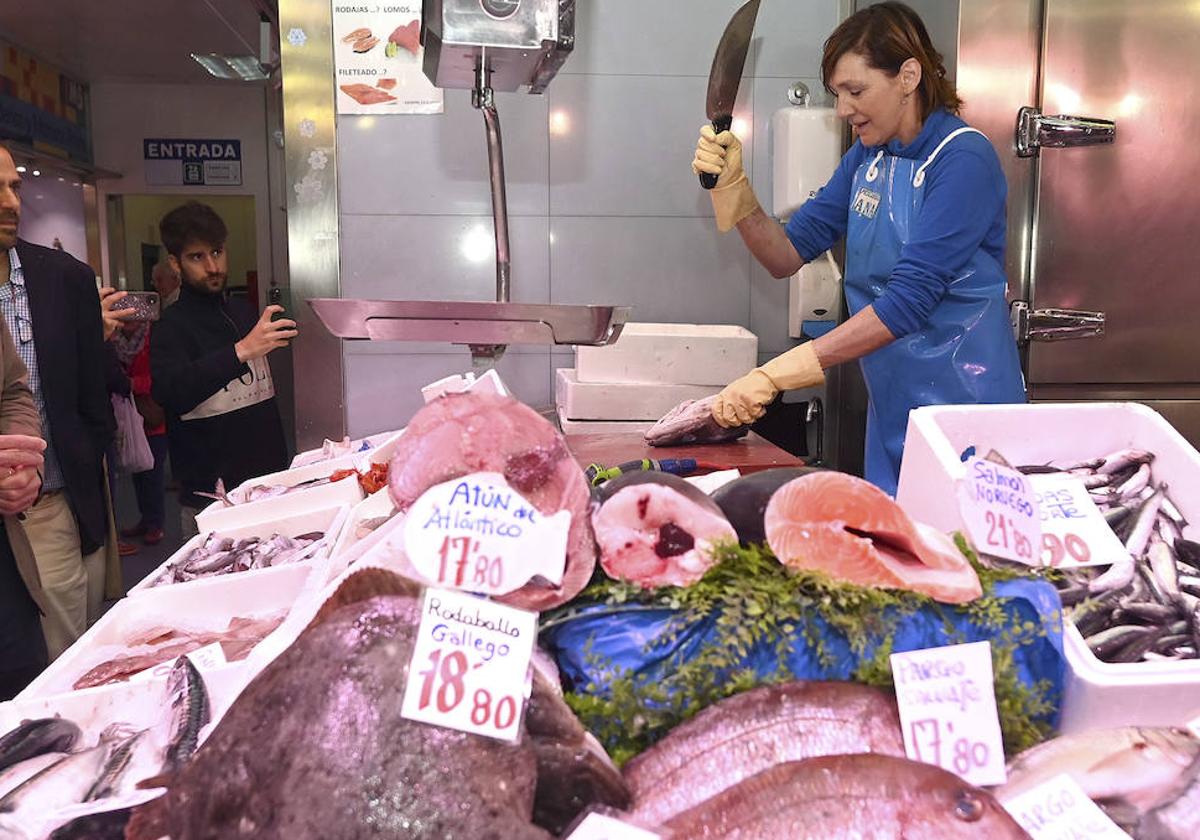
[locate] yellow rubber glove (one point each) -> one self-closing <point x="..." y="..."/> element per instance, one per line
<point x="732" y="197"/>
<point x="745" y="400"/>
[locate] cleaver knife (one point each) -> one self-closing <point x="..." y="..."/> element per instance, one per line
<point x="726" y="73"/>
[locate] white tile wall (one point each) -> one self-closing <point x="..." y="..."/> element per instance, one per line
<point x="605" y="208"/>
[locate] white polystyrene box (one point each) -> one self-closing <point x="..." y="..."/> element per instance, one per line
<point x="602" y="427"/>
<point x="672" y="354"/>
<point x="330" y="520"/>
<point x="334" y="449"/>
<point x="376" y="505"/>
<point x="203" y="604"/>
<point x="1097" y="694"/>
<point x="620" y="400"/>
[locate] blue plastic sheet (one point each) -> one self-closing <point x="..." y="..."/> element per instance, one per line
<point x="629" y="640"/>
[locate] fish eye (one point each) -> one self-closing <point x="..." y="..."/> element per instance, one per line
<point x="968" y="807"/>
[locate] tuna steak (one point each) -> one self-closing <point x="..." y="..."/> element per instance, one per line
<point x="751" y="732"/>
<point x="460" y="434"/>
<point x="744" y="500"/>
<point x="315" y="746"/>
<point x="655" y="529"/>
<point x="691" y="422"/>
<point x="853" y="531"/>
<point x="865" y="796"/>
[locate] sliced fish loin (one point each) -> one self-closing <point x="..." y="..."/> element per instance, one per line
<point x="751" y="732"/>
<point x="655" y="529"/>
<point x="854" y="532"/>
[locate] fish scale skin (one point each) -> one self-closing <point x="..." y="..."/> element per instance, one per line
<point x="334" y="759"/>
<point x="860" y="796"/>
<point x="750" y="732"/>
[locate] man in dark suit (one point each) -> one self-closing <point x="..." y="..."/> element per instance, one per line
<point x="51" y="305"/>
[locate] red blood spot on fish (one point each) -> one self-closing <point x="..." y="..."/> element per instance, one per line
<point x="642" y="505"/>
<point x="531" y="469"/>
<point x="673" y="541"/>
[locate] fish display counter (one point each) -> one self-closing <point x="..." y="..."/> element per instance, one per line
<point x="696" y="664"/>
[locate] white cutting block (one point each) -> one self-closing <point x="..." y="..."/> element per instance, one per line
<point x="329" y="520"/>
<point x="620" y="400"/>
<point x="602" y="427"/>
<point x="1097" y="694"/>
<point x="198" y="605"/>
<point x="672" y="354"/>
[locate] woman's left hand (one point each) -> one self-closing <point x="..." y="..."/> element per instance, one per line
<point x="109" y="297"/>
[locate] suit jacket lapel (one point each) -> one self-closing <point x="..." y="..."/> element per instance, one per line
<point x="45" y="308"/>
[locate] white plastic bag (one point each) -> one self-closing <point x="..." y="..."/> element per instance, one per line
<point x="133" y="450"/>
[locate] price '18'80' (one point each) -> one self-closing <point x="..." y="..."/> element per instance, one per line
<point x="450" y="671"/>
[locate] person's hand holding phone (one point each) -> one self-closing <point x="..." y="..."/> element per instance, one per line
<point x="266" y="335"/>
<point x="110" y="314"/>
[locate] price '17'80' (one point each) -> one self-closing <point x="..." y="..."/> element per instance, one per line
<point x="449" y="671"/>
<point x="455" y="555"/>
<point x="927" y="743"/>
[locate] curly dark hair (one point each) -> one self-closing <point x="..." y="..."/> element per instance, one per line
<point x="191" y="222"/>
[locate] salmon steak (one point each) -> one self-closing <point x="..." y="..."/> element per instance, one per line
<point x="854" y="532"/>
<point x="654" y="529"/>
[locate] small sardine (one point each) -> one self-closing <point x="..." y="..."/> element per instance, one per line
<point x="1188" y="552"/>
<point x="1107" y="642"/>
<point x="1163" y="566"/>
<point x="108" y="781"/>
<point x="1136" y="483"/>
<point x="1117" y="576"/>
<point x="1088" y="466"/>
<point x="63" y="783"/>
<point x="1144" y="524"/>
<point x="1174" y="513"/>
<point x="34" y="737"/>
<point x="1124" y="458"/>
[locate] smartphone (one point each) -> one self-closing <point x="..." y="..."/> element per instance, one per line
<point x="145" y="306"/>
<point x="275" y="296"/>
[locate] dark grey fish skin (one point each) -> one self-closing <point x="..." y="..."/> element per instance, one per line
<point x="1178" y="819"/>
<point x="109" y="825"/>
<point x="190" y="712"/>
<point x="34" y="737"/>
<point x="744" y="500"/>
<point x="849" y="796"/>
<point x="684" y="488"/>
<point x="315" y="747"/>
<point x="691" y="422"/>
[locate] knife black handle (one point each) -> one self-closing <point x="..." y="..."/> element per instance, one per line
<point x="708" y="180"/>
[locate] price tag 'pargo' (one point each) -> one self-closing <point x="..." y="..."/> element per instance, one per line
<point x="469" y="665"/>
<point x="1060" y="810"/>
<point x="477" y="534"/>
<point x="1000" y="512"/>
<point x="948" y="710"/>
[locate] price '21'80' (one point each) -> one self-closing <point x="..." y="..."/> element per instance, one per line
<point x="1002" y="532"/>
<point x="450" y="671"/>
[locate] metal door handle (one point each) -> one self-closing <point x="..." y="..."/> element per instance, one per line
<point x="1055" y="324"/>
<point x="815" y="415"/>
<point x="1035" y="130"/>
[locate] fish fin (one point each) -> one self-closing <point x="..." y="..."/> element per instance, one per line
<point x="162" y="780"/>
<point x="362" y="585"/>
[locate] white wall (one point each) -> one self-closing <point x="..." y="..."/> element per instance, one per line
<point x="124" y="114"/>
<point x="52" y="208"/>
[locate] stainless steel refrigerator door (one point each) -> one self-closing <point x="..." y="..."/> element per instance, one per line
<point x="1117" y="226"/>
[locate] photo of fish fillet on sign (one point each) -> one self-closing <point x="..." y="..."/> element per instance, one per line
<point x="460" y="435"/>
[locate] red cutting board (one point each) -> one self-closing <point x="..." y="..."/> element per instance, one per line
<point x="749" y="454"/>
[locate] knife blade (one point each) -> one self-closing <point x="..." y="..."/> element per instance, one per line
<point x="726" y="73"/>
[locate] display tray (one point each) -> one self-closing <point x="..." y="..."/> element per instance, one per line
<point x="330" y="520"/>
<point x="1097" y="694"/>
<point x="199" y="605"/>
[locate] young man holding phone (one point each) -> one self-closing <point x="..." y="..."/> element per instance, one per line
<point x="209" y="368"/>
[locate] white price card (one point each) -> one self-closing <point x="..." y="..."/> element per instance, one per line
<point x="477" y="534"/>
<point x="597" y="826"/>
<point x="1194" y="726"/>
<point x="1060" y="810"/>
<point x="1000" y="512"/>
<point x="205" y="659"/>
<point x="469" y="665"/>
<point x="1074" y="532"/>
<point x="948" y="710"/>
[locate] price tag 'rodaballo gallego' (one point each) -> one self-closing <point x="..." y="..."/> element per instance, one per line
<point x="470" y="665"/>
<point x="947" y="706"/>
<point x="477" y="534"/>
<point x="999" y="511"/>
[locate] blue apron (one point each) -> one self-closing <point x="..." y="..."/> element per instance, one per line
<point x="965" y="352"/>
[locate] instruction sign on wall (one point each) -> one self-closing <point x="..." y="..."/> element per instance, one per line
<point x="192" y="163"/>
<point x="377" y="56"/>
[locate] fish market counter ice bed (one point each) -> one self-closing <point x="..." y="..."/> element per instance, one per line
<point x="1097" y="694"/>
<point x="752" y="453"/>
